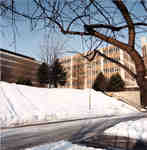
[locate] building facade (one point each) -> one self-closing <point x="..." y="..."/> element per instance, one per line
<point x="14" y="66"/>
<point x="144" y="51"/>
<point x="82" y="73"/>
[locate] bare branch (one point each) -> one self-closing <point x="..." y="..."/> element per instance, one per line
<point x="143" y="4"/>
<point x="90" y="55"/>
<point x="75" y="19"/>
<point x="117" y="63"/>
<point x="115" y="28"/>
<point x="125" y="13"/>
<point x="16" y="12"/>
<point x="100" y="11"/>
<point x="51" y="48"/>
<point x="94" y="18"/>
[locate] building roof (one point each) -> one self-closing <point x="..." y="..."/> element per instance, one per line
<point x="17" y="54"/>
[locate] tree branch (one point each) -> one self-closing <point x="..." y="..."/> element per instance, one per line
<point x="95" y="51"/>
<point x="16" y="12"/>
<point x="91" y="53"/>
<point x="100" y="11"/>
<point x="125" y="13"/>
<point x="132" y="52"/>
<point x="118" y="63"/>
<point x="76" y="18"/>
<point x="114" y="28"/>
<point x="143" y="4"/>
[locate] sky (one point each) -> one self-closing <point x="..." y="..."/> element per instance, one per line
<point x="28" y="42"/>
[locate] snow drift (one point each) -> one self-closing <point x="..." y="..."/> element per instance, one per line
<point x="24" y="105"/>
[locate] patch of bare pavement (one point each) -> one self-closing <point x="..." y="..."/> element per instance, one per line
<point x="88" y="132"/>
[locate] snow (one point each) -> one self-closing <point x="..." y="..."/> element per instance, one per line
<point x="64" y="145"/>
<point x="25" y="105"/>
<point x="132" y="129"/>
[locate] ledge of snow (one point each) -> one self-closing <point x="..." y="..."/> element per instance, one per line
<point x="25" y="105"/>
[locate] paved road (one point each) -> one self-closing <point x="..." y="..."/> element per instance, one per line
<point x="75" y="131"/>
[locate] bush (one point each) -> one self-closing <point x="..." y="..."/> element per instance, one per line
<point x="23" y="81"/>
<point x="100" y="83"/>
<point x="28" y="82"/>
<point x="116" y="83"/>
<point x="57" y="74"/>
<point x="43" y="74"/>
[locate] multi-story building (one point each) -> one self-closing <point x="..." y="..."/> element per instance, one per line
<point x="82" y="73"/>
<point x="74" y="66"/>
<point x="14" y="66"/>
<point x="144" y="51"/>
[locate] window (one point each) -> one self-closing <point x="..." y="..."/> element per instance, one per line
<point x="105" y="61"/>
<point x="110" y="50"/>
<point x="117" y="49"/>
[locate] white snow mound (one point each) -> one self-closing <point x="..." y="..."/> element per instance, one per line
<point x="24" y="104"/>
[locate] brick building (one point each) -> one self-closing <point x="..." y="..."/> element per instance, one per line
<point x="82" y="73"/>
<point x="14" y="66"/>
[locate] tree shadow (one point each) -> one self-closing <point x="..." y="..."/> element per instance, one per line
<point x="140" y="145"/>
<point x="92" y="134"/>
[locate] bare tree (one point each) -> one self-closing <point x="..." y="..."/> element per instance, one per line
<point x="51" y="48"/>
<point x="116" y="22"/>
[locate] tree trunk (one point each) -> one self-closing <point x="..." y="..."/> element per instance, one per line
<point x="55" y="84"/>
<point x="49" y="85"/>
<point x="143" y="92"/>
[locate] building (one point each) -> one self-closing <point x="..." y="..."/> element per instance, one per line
<point x="14" y="66"/>
<point x="82" y="73"/>
<point x="144" y="51"/>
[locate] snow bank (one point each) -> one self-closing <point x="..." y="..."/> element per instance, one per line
<point x="24" y="105"/>
<point x="64" y="145"/>
<point x="132" y="129"/>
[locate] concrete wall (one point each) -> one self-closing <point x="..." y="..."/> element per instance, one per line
<point x="130" y="97"/>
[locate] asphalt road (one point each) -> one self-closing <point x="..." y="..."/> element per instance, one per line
<point x="75" y="131"/>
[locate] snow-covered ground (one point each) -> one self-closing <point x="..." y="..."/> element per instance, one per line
<point x="24" y="105"/>
<point x="64" y="145"/>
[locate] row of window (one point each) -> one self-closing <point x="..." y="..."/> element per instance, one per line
<point x="97" y="62"/>
<point x="78" y="59"/>
<point x="93" y="72"/>
<point x="93" y="65"/>
<point x="78" y="67"/>
<point x="106" y="61"/>
<point x="66" y="61"/>
<point x="111" y="50"/>
<point x="115" y="69"/>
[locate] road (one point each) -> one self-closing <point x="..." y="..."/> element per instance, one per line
<point x="75" y="131"/>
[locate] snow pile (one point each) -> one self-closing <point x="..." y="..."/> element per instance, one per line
<point x="23" y="104"/>
<point x="132" y="129"/>
<point x="64" y="145"/>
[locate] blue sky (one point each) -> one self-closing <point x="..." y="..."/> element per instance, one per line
<point x="28" y="43"/>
